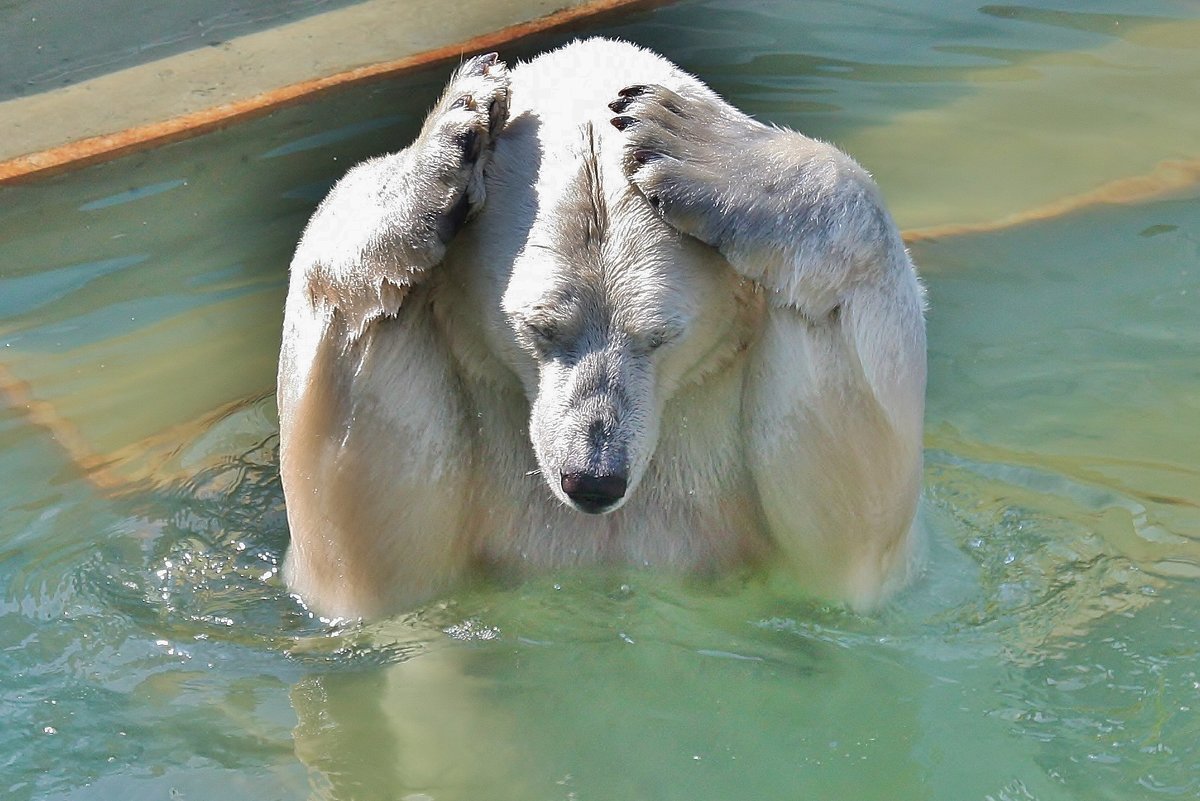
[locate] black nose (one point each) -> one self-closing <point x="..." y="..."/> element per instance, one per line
<point x="594" y="494"/>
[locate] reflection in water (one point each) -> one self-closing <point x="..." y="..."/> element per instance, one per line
<point x="1049" y="652"/>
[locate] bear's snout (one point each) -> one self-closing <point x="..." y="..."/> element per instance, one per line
<point x="594" y="494"/>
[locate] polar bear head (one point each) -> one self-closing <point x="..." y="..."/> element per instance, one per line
<point x="608" y="313"/>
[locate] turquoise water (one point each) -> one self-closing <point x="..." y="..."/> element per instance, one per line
<point x="1051" y="650"/>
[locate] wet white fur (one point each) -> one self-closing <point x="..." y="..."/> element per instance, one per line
<point x="785" y="422"/>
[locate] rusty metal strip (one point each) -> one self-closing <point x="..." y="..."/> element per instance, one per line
<point x="109" y="146"/>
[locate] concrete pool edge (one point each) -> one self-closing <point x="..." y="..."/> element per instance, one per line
<point x="172" y="127"/>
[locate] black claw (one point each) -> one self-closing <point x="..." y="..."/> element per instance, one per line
<point x="643" y="156"/>
<point x="621" y="123"/>
<point x="634" y="91"/>
<point x="479" y="65"/>
<point x="620" y="105"/>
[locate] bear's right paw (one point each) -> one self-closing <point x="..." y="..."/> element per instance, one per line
<point x="459" y="136"/>
<point x="679" y="152"/>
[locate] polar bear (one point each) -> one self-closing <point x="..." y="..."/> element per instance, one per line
<point x="596" y="315"/>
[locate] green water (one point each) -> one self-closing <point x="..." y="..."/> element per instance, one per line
<point x="148" y="649"/>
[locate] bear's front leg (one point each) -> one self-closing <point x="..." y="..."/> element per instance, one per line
<point x="390" y="219"/>
<point x="834" y="396"/>
<point x="796" y="215"/>
<point x="374" y="443"/>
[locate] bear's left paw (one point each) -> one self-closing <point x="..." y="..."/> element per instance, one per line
<point x="679" y="152"/>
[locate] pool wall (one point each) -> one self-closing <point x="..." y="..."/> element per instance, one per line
<point x="72" y="95"/>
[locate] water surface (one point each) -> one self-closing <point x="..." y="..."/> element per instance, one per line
<point x="149" y="650"/>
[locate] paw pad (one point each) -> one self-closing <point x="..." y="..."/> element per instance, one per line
<point x="497" y="114"/>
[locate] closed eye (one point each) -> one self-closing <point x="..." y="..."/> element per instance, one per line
<point x="543" y="334"/>
<point x="550" y="325"/>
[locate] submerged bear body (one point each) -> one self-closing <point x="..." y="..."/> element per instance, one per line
<point x="595" y="315"/>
